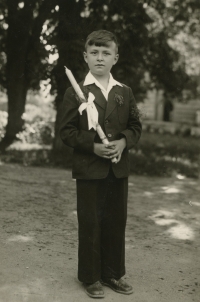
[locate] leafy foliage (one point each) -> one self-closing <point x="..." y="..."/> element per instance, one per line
<point x="3" y="122"/>
<point x="148" y="32"/>
<point x="163" y="154"/>
<point x="41" y="133"/>
<point x="157" y="41"/>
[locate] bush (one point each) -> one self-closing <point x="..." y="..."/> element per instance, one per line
<point x="28" y="157"/>
<point x="156" y="153"/>
<point x="3" y="122"/>
<point x="39" y="132"/>
<point x="38" y="125"/>
<point x="162" y="154"/>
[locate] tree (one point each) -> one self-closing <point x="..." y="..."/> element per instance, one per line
<point x="68" y="37"/>
<point x="147" y="32"/>
<point x="128" y="19"/>
<point x="24" y="53"/>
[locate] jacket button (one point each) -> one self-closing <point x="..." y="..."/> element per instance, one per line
<point x="106" y="122"/>
<point x="109" y="135"/>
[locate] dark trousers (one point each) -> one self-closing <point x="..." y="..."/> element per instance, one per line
<point x="102" y="213"/>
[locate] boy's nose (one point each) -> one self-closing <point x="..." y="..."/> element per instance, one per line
<point x="100" y="57"/>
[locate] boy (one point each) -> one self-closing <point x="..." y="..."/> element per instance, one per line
<point x="102" y="186"/>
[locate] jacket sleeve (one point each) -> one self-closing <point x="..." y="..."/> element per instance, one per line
<point x="70" y="133"/>
<point x="134" y="127"/>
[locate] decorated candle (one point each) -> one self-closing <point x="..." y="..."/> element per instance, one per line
<point x="74" y="83"/>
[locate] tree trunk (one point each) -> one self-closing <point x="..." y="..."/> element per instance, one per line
<point x="16" y="107"/>
<point x="17" y="86"/>
<point x="70" y="36"/>
<point x="22" y="38"/>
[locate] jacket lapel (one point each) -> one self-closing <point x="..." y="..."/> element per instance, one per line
<point x="99" y="97"/>
<point x="109" y="105"/>
<point x="111" y="100"/>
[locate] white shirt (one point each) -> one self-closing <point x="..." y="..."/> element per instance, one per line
<point x="90" y="79"/>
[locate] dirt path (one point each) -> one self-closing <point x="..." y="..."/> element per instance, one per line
<point x="39" y="238"/>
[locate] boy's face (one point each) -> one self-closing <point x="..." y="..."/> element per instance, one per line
<point x="100" y="59"/>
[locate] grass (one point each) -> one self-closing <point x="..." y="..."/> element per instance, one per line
<point x="155" y="155"/>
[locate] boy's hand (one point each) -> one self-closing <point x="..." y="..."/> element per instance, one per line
<point x="113" y="149"/>
<point x="102" y="150"/>
<point x="116" y="148"/>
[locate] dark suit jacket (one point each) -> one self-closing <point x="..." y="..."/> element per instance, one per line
<point x="116" y="121"/>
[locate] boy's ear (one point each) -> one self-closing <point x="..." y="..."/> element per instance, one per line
<point x="116" y="58"/>
<point x="85" y="56"/>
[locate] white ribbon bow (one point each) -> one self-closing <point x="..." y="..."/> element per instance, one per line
<point x="92" y="112"/>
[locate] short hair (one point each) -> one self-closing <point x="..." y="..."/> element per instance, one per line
<point x="101" y="38"/>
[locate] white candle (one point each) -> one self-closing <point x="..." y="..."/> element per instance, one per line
<point x="82" y="97"/>
<point x="74" y="83"/>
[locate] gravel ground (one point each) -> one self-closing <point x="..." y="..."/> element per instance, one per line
<point x="38" y="250"/>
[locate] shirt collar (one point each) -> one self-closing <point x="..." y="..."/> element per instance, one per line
<point x="90" y="79"/>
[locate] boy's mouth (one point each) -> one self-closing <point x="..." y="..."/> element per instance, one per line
<point x="100" y="65"/>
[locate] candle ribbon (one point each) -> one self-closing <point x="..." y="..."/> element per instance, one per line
<point x="92" y="112"/>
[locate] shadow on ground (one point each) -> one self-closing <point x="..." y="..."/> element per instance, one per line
<point x="39" y="238"/>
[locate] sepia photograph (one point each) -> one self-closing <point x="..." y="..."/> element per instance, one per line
<point x="99" y="150"/>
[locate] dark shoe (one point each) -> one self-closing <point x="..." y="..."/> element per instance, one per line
<point x="94" y="290"/>
<point x="119" y="286"/>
